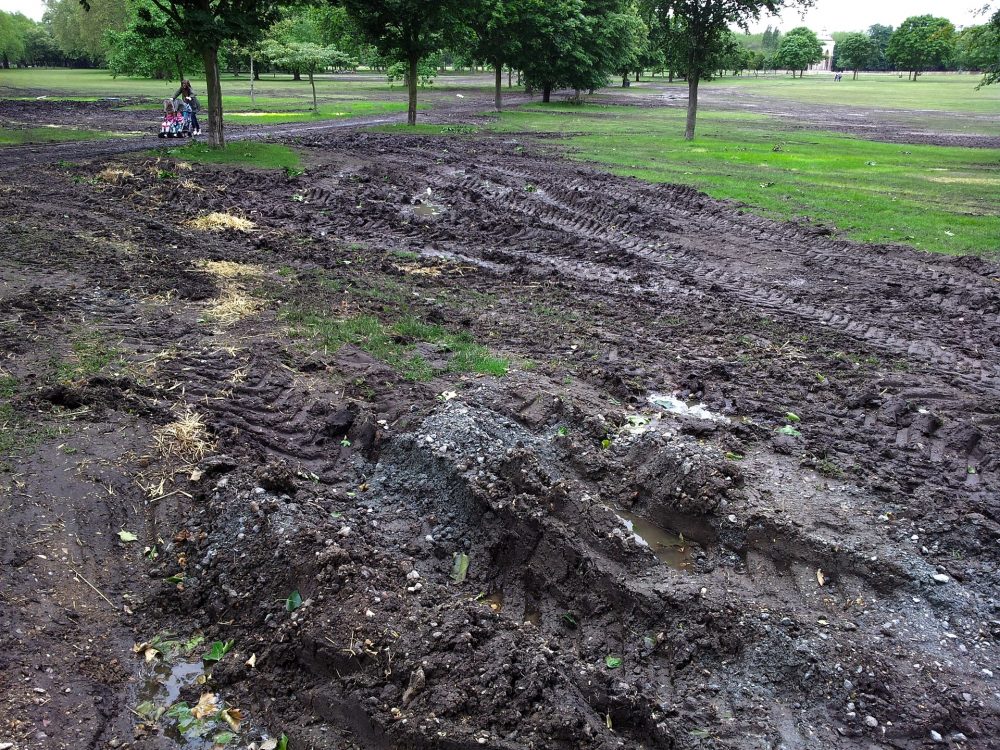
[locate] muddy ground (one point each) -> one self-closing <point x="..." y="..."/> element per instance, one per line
<point x="462" y="445"/>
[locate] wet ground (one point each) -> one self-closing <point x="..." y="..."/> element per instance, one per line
<point x="461" y="445"/>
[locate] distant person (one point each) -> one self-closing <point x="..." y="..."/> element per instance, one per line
<point x="187" y="96"/>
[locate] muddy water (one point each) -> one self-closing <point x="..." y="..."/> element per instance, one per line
<point x="671" y="549"/>
<point x="164" y="685"/>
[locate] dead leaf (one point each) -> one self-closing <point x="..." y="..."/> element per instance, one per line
<point x="196" y="475"/>
<point x="150" y="654"/>
<point x="127" y="536"/>
<point x="252" y="661"/>
<point x="270" y="744"/>
<point x="820" y="577"/>
<point x="233" y="717"/>
<point x="207" y="706"/>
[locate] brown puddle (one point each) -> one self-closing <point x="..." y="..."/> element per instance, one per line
<point x="670" y="548"/>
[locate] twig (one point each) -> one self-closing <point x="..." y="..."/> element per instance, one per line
<point x="99" y="592"/>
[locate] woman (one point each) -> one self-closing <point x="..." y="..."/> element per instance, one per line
<point x="187" y="95"/>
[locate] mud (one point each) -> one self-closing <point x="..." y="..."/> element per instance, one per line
<point x="827" y="494"/>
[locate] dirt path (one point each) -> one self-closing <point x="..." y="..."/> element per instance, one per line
<point x="794" y="544"/>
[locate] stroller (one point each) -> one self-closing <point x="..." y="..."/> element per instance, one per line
<point x="176" y="119"/>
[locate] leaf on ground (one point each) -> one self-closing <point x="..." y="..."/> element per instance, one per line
<point x="792" y="417"/>
<point x="820" y="577"/>
<point x="206" y="706"/>
<point x="252" y="661"/>
<point x="127" y="536"/>
<point x="217" y="650"/>
<point x="460" y="567"/>
<point x="789" y="430"/>
<point x="174" y="579"/>
<point x="612" y="662"/>
<point x="233" y="717"/>
<point x="149" y="711"/>
<point x="294" y="601"/>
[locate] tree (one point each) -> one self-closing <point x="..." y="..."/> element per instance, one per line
<point x="405" y="30"/>
<point x="133" y="53"/>
<point x="880" y="36"/>
<point x="922" y="42"/>
<point x="979" y="49"/>
<point x="854" y="52"/>
<point x="299" y="28"/>
<point x="305" y="56"/>
<point x="799" y="49"/>
<point x="80" y="28"/>
<point x="705" y="26"/>
<point x="12" y="37"/>
<point x="492" y="39"/>
<point x="205" y="25"/>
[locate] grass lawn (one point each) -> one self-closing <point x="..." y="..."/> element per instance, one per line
<point x="47" y="134"/>
<point x="244" y="153"/>
<point x="933" y="198"/>
<point x="932" y="92"/>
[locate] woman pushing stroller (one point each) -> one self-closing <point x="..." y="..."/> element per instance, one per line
<point x="186" y="95"/>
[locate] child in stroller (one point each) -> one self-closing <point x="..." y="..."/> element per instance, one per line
<point x="176" y="119"/>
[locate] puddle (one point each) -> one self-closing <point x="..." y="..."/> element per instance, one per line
<point x="164" y="685"/>
<point x="494" y="601"/>
<point x="693" y="409"/>
<point x="671" y="549"/>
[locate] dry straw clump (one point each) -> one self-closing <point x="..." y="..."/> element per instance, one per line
<point x="221" y="222"/>
<point x="232" y="306"/>
<point x="186" y="438"/>
<point x="228" y="269"/>
<point x="114" y="174"/>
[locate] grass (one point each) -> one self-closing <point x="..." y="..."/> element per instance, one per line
<point x="244" y="153"/>
<point x="395" y="344"/>
<point x="90" y="355"/>
<point x="47" y="134"/>
<point x="941" y="199"/>
<point x="240" y="111"/>
<point x="425" y="129"/>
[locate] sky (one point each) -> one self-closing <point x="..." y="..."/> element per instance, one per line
<point x="829" y="15"/>
<point x="858" y="15"/>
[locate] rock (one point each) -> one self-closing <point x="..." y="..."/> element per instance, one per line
<point x="871" y="721"/>
<point x="417" y="683"/>
<point x="936" y="736"/>
<point x="345" y="531"/>
<point x="941" y="577"/>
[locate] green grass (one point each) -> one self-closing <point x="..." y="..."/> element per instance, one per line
<point x="354" y="108"/>
<point x="244" y="153"/>
<point x="90" y="355"/>
<point x="425" y="129"/>
<point x="941" y="199"/>
<point x="395" y="344"/>
<point x="47" y="134"/>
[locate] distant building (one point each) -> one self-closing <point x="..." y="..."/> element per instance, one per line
<point x="824" y="65"/>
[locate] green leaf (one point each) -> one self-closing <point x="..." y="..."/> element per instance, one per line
<point x="570" y="621"/>
<point x="460" y="567"/>
<point x="612" y="662"/>
<point x="283" y="742"/>
<point x="217" y="650"/>
<point x="127" y="536"/>
<point x="174" y="579"/>
<point x="789" y="430"/>
<point x="223" y="738"/>
<point x="792" y="417"/>
<point x="294" y="601"/>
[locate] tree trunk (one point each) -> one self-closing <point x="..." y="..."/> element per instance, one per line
<point x="670" y="75"/>
<point x="855" y="75"/>
<point x="210" y="56"/>
<point x="625" y="81"/>
<point x="313" y="84"/>
<point x="180" y="67"/>
<point x="497" y="96"/>
<point x="546" y="92"/>
<point x="411" y="90"/>
<point x="253" y="77"/>
<point x="510" y="75"/>
<point x="637" y="75"/>
<point x="692" y="113"/>
<point x="296" y="76"/>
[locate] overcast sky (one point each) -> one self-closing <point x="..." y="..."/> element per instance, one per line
<point x="831" y="15"/>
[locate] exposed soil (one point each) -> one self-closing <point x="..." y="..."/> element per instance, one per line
<point x="814" y="487"/>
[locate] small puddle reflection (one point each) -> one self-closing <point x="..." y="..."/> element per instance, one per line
<point x="164" y="685"/>
<point x="421" y="207"/>
<point x="671" y="549"/>
<point x="494" y="601"/>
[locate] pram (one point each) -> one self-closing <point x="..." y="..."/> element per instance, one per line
<point x="176" y="119"/>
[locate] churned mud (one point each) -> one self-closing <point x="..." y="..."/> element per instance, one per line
<point x="449" y="443"/>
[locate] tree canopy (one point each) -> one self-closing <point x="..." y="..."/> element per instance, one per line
<point x="922" y="42"/>
<point x="799" y="49"/>
<point x="855" y="52"/>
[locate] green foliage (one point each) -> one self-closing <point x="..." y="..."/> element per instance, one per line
<point x="305" y="57"/>
<point x="144" y="48"/>
<point x="79" y="29"/>
<point x="855" y="52"/>
<point x="921" y="43"/>
<point x="799" y="49"/>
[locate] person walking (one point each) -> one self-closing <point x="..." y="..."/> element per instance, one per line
<point x="187" y="96"/>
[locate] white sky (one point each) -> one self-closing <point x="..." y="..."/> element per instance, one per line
<point x="858" y="15"/>
<point x="829" y="15"/>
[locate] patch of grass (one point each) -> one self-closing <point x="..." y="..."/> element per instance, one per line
<point x="47" y="134"/>
<point x="244" y="153"/>
<point x="425" y="129"/>
<point x="90" y="355"/>
<point x="941" y="199"/>
<point x="338" y="111"/>
<point x="395" y="344"/>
